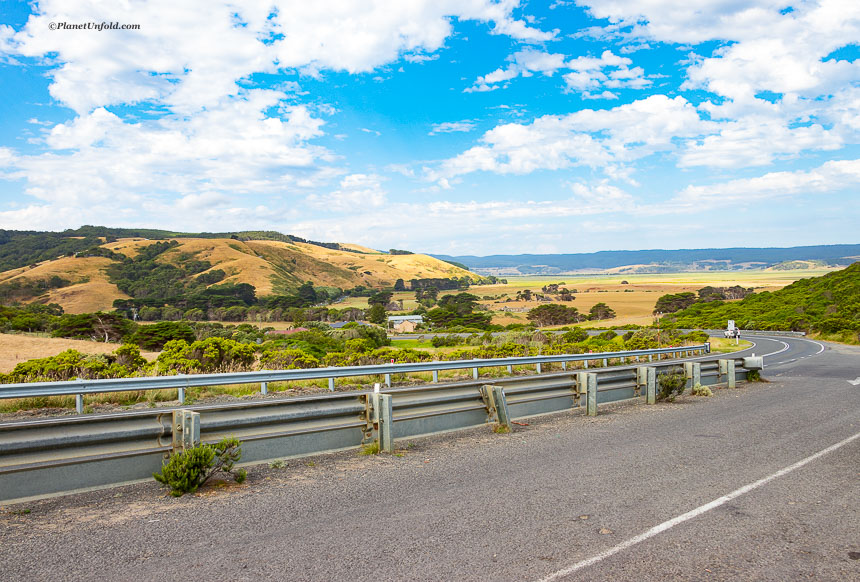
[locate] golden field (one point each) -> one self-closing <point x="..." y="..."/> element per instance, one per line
<point x="633" y="302"/>
<point x="15" y="348"/>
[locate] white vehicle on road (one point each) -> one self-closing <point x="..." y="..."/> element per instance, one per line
<point x="732" y="330"/>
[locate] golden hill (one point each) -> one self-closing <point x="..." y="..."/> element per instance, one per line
<point x="272" y="267"/>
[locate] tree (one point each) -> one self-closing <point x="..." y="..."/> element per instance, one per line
<point x="380" y="298"/>
<point x="399" y="285"/>
<point x="376" y="314"/>
<point x="601" y="311"/>
<point x="554" y="314"/>
<point x="98" y="326"/>
<point x="307" y="293"/>
<point x="458" y="310"/>
<point x="673" y="302"/>
<point x="153" y="337"/>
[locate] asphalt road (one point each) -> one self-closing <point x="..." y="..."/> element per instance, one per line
<point x="757" y="483"/>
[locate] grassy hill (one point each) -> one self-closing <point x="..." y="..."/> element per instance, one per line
<point x="273" y="263"/>
<point x="828" y="305"/>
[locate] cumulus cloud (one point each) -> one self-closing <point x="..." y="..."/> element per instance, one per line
<point x="207" y="131"/>
<point x="589" y="137"/>
<point x="830" y="177"/>
<point x="587" y="75"/>
<point x="232" y="148"/>
<point x="767" y="47"/>
<point x="356" y="191"/>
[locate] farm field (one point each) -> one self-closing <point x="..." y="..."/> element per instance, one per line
<point x="15" y="348"/>
<point x="633" y="302"/>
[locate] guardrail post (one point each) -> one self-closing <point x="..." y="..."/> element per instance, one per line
<point x="388" y="380"/>
<point x="264" y="387"/>
<point x="186" y="430"/>
<point x="181" y="394"/>
<point x="586" y="364"/>
<point x="331" y="384"/>
<point x="497" y="405"/>
<point x="647" y="376"/>
<point x="475" y="373"/>
<point x="650" y="358"/>
<point x="510" y="369"/>
<point x="641" y="379"/>
<point x="564" y="366"/>
<point x="693" y="372"/>
<point x="385" y="419"/>
<point x="727" y="368"/>
<point x="538" y="368"/>
<point x="586" y="383"/>
<point x="591" y="406"/>
<point x="79" y="403"/>
<point x="501" y="402"/>
<point x="435" y="376"/>
<point x="605" y="363"/>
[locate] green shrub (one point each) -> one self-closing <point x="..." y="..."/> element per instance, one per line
<point x="754" y="376"/>
<point x="672" y="384"/>
<point x="191" y="468"/>
<point x="699" y="390"/>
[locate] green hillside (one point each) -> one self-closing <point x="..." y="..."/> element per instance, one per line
<point x="20" y="248"/>
<point x="828" y="305"/>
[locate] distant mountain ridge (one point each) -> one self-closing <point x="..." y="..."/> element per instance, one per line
<point x="657" y="260"/>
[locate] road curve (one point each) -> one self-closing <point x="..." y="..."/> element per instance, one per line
<point x="758" y="483"/>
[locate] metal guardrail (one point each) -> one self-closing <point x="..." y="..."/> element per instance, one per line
<point x="764" y="332"/>
<point x="264" y="377"/>
<point x="48" y="456"/>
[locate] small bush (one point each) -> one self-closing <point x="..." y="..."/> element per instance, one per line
<point x="699" y="390"/>
<point x="672" y="384"/>
<point x="754" y="376"/>
<point x="188" y="470"/>
<point x="370" y="449"/>
<point x="501" y="429"/>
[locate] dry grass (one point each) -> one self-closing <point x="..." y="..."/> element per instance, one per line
<point x="15" y="348"/>
<point x="634" y="301"/>
<point x="272" y="267"/>
<point x="91" y="290"/>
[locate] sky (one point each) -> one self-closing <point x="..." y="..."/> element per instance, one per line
<point x="454" y="127"/>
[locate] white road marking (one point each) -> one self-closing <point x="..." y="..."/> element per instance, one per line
<point x="694" y="513"/>
<point x="785" y="348"/>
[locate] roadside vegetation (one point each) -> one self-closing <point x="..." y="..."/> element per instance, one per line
<point x="827" y="306"/>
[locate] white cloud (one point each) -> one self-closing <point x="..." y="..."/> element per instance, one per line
<point x="204" y="134"/>
<point x="587" y="74"/>
<point x="830" y="177"/>
<point x="233" y="148"/>
<point x="589" y="137"/>
<point x="770" y="50"/>
<point x="756" y="141"/>
<point x="779" y="91"/>
<point x="356" y="191"/>
<point x="186" y="63"/>
<point x="452" y="127"/>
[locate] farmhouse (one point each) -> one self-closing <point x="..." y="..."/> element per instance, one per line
<point x="404" y="323"/>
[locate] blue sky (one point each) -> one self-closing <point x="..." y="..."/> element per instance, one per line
<point x="458" y="127"/>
